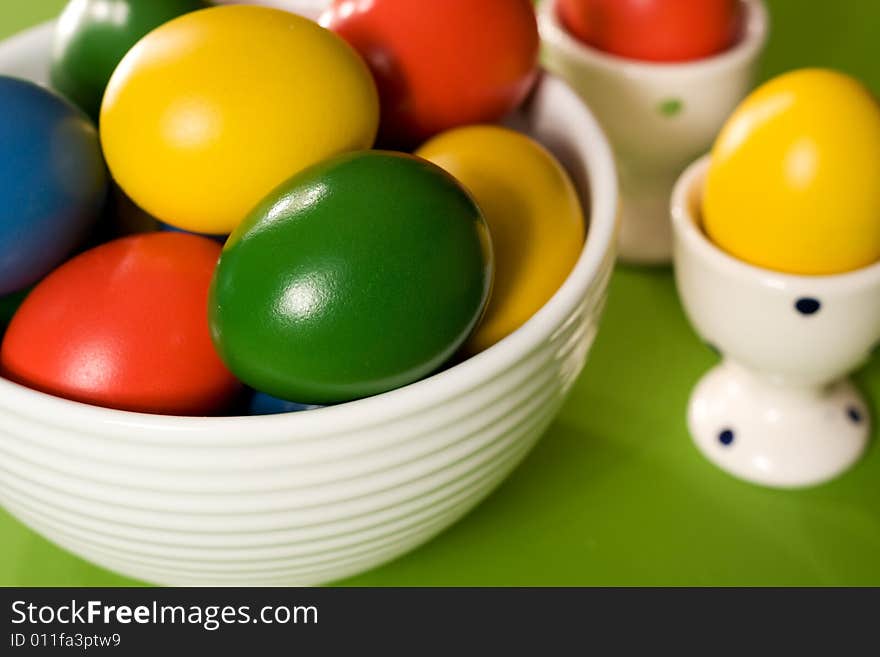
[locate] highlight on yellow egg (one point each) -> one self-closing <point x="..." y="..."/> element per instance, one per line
<point x="794" y="179"/>
<point x="211" y="111"/>
<point x="534" y="216"/>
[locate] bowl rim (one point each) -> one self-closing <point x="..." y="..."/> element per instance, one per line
<point x="24" y="402"/>
<point x="686" y="226"/>
<point x="754" y="37"/>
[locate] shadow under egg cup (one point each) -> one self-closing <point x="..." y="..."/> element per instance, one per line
<point x="779" y="409"/>
<point x="659" y="117"/>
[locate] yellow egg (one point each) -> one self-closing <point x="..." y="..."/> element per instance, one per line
<point x="534" y="217"/>
<point x="211" y="111"/>
<point x="794" y="180"/>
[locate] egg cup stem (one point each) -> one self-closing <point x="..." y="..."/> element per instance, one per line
<point x="774" y="434"/>
<point x="645" y="232"/>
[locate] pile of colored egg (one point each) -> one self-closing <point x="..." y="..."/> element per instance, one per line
<point x="794" y="179"/>
<point x="347" y="271"/>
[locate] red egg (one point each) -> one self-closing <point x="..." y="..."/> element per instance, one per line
<point x="439" y="64"/>
<point x="125" y="325"/>
<point x="654" y="30"/>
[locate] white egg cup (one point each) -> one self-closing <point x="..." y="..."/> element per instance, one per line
<point x="659" y="117"/>
<point x="778" y="410"/>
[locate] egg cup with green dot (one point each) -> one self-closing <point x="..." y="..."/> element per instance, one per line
<point x="658" y="116"/>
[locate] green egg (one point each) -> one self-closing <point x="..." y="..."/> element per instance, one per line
<point x="8" y="305"/>
<point x="93" y="36"/>
<point x="359" y="275"/>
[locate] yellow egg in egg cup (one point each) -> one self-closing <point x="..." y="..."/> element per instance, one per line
<point x="779" y="409"/>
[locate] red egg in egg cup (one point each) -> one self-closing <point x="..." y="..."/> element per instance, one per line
<point x="659" y="115"/>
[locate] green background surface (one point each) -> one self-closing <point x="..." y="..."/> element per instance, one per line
<point x="615" y="493"/>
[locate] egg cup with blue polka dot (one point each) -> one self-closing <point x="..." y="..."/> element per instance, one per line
<point x="778" y="410"/>
<point x="657" y="115"/>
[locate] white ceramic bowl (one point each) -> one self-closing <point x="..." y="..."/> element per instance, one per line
<point x="778" y="409"/>
<point x="658" y="116"/>
<point x="310" y="497"/>
<point x="310" y="8"/>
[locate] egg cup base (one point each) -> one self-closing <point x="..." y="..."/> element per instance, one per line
<point x="776" y="435"/>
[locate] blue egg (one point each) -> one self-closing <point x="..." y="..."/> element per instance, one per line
<point x="174" y="229"/>
<point x="263" y="404"/>
<point x="52" y="181"/>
